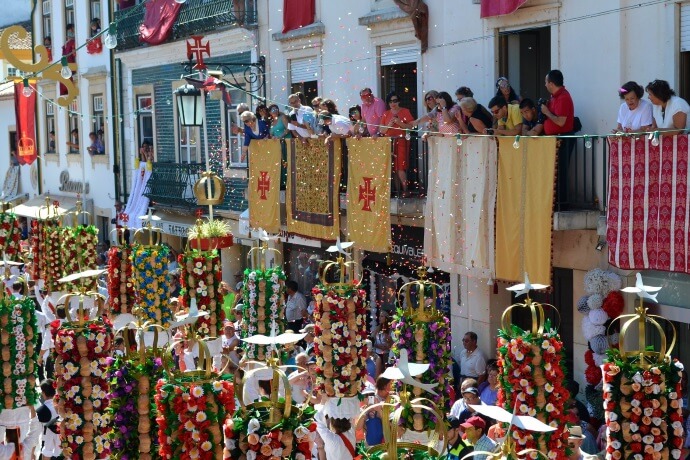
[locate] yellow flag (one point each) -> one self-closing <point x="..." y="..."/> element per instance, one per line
<point x="313" y="198"/>
<point x="264" y="184"/>
<point x="369" y="193"/>
<point x="524" y="209"/>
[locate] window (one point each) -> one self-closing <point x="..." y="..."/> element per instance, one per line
<point x="524" y="58"/>
<point x="11" y="71"/>
<point x="50" y="126"/>
<point x="73" y="120"/>
<point x="144" y="119"/>
<point x="97" y="125"/>
<point x="69" y="11"/>
<point x="232" y="120"/>
<point x="47" y="25"/>
<point x="303" y="78"/>
<point x="96" y="10"/>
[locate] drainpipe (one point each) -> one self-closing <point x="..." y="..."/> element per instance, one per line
<point x="116" y="110"/>
<point x="39" y="169"/>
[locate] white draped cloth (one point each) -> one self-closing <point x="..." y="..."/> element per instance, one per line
<point x="138" y="203"/>
<point x="459" y="212"/>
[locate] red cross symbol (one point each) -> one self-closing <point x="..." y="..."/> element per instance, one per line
<point x="367" y="193"/>
<point x="264" y="184"/>
<point x="198" y="49"/>
<point x="199" y="213"/>
<point x="124" y="217"/>
<point x="56" y="203"/>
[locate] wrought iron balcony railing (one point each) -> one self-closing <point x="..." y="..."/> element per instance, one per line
<point x="196" y="17"/>
<point x="171" y="184"/>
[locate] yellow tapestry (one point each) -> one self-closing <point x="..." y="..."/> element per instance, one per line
<point x="368" y="197"/>
<point x="264" y="184"/>
<point x="313" y="188"/>
<point x="524" y="209"/>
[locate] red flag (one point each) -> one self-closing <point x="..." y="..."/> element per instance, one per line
<point x="158" y="22"/>
<point x="25" y="112"/>
<point x="500" y="7"/>
<point x="297" y="13"/>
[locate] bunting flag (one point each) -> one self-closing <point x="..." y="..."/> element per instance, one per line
<point x="492" y="8"/>
<point x="368" y="198"/>
<point x="648" y="201"/>
<point x="264" y="184"/>
<point x="25" y="113"/>
<point x="159" y="18"/>
<point x="313" y="188"/>
<point x="524" y="209"/>
<point x="459" y="213"/>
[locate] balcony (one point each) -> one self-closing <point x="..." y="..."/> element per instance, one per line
<point x="196" y="17"/>
<point x="171" y="184"/>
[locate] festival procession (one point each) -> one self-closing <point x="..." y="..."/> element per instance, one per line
<point x="305" y="230"/>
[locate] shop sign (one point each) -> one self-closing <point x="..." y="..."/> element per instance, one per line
<point x="173" y="228"/>
<point x="67" y="185"/>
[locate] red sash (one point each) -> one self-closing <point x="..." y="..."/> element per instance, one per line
<point x="349" y="446"/>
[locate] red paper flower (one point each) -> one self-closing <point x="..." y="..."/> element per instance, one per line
<point x="614" y="304"/>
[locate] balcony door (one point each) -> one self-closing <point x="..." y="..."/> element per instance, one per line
<point x="525" y="58"/>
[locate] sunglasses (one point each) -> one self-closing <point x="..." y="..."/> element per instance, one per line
<point x="395" y="100"/>
<point x="429" y="98"/>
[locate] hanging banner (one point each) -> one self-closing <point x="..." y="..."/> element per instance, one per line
<point x="312" y="189"/>
<point x="368" y="198"/>
<point x="524" y="209"/>
<point x="25" y="112"/>
<point x="648" y="200"/>
<point x="158" y="21"/>
<point x="462" y="197"/>
<point x="264" y="184"/>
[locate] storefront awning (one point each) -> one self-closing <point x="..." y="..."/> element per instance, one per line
<point x="36" y="207"/>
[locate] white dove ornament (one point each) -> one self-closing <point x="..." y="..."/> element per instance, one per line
<point x="405" y="370"/>
<point x="644" y="292"/>
<point x="524" y="288"/>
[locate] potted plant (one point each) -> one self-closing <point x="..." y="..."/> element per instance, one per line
<point x="209" y="235"/>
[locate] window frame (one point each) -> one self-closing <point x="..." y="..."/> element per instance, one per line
<point x="93" y="16"/>
<point x="233" y="142"/>
<point x="70" y="16"/>
<point x="98" y="116"/>
<point x="50" y="126"/>
<point x="73" y="121"/>
<point x="144" y="112"/>
<point x="46" y="19"/>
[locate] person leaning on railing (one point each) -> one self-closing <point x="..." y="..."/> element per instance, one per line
<point x="670" y="111"/>
<point x="635" y="113"/>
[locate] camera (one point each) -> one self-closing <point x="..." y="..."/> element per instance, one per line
<point x="489" y="131"/>
<point x="541" y="101"/>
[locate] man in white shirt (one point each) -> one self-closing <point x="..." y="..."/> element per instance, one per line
<point x="337" y="435"/>
<point x="339" y="125"/>
<point x="472" y="360"/>
<point x="302" y="117"/>
<point x="295" y="307"/>
<point x="48" y="416"/>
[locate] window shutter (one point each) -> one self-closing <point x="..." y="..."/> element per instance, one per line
<point x="399" y="54"/>
<point x="302" y="70"/>
<point x="685" y="27"/>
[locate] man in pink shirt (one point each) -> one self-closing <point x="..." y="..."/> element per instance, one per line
<point x="372" y="111"/>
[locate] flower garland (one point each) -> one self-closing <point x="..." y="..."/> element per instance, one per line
<point x="426" y="342"/>
<point x="19" y="345"/>
<point x="248" y="434"/>
<point x="79" y="254"/>
<point x="150" y="270"/>
<point x="264" y="307"/>
<point x="52" y="251"/>
<point x="200" y="277"/>
<point x="37" y="250"/>
<point x="120" y="285"/>
<point x="132" y="407"/>
<point x="531" y="374"/>
<point x="339" y="336"/>
<point x="10" y="235"/>
<point x="191" y="416"/>
<point x="644" y="416"/>
<point x="81" y="400"/>
<point x="602" y="303"/>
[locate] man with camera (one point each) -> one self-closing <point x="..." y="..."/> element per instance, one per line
<point x="507" y="118"/>
<point x="560" y="110"/>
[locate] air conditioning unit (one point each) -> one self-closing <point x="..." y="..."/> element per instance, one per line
<point x="46" y="7"/>
<point x="98" y="103"/>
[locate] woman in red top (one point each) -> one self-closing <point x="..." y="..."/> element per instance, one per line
<point x="394" y="123"/>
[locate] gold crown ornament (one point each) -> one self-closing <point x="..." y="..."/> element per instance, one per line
<point x="426" y="292"/>
<point x="340" y="269"/>
<point x="155" y="235"/>
<point x="209" y="189"/>
<point x="536" y="309"/>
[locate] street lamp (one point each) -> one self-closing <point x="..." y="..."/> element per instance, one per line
<point x="191" y="108"/>
<point x="190" y="105"/>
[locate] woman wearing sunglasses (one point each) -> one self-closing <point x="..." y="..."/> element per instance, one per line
<point x="394" y="123"/>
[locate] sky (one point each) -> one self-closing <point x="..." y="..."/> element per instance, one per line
<point x="14" y="11"/>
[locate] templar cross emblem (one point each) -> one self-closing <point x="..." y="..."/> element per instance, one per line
<point x="264" y="184"/>
<point x="367" y="193"/>
<point x="198" y="49"/>
<point x="124" y="217"/>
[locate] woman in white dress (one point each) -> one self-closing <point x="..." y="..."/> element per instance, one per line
<point x="635" y="113"/>
<point x="670" y="111"/>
